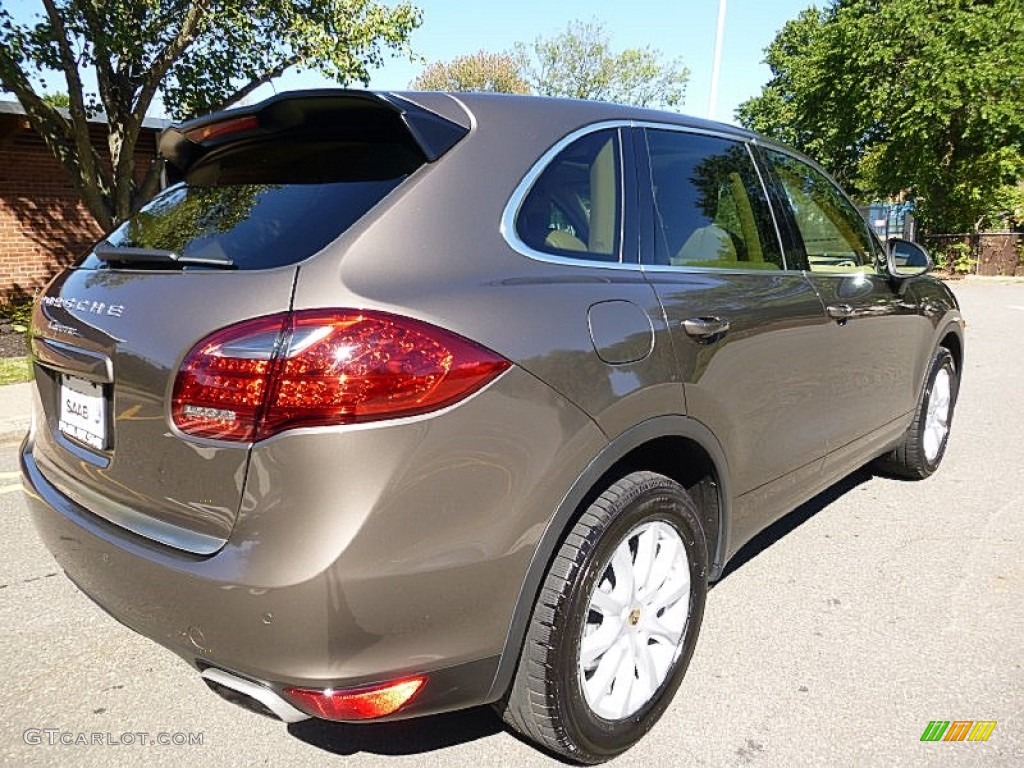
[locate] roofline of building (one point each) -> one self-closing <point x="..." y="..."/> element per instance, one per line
<point x="150" y="123"/>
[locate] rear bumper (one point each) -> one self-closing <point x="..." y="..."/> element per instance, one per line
<point x="266" y="639"/>
<point x="360" y="555"/>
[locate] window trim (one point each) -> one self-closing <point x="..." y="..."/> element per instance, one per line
<point x="771" y="200"/>
<point x="515" y="203"/>
<point x="633" y="160"/>
<point x="792" y="246"/>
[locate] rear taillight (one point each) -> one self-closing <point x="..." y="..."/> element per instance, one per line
<point x="223" y="382"/>
<point x="319" y="367"/>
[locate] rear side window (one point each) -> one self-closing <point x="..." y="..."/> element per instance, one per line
<point x="710" y="207"/>
<point x="574" y="208"/>
<point x="269" y="204"/>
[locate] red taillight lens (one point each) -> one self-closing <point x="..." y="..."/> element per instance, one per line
<point x="360" y="704"/>
<point x="223" y="382"/>
<point x="313" y="368"/>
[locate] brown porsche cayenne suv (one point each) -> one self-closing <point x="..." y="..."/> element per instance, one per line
<point x="394" y="404"/>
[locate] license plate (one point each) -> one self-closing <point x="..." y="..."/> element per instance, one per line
<point x="83" y="411"/>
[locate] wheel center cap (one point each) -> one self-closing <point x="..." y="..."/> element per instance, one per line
<point x="634" y="617"/>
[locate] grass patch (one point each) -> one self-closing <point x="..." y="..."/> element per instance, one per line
<point x="14" y="370"/>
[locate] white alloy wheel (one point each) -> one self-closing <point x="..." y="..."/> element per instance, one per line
<point x="615" y="622"/>
<point x="919" y="453"/>
<point x="636" y="621"/>
<point x="936" y="425"/>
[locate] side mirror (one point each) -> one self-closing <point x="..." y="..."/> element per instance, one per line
<point x="907" y="259"/>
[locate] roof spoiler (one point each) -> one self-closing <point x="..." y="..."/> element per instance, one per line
<point x="352" y="115"/>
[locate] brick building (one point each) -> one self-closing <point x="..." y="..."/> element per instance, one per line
<point x="43" y="223"/>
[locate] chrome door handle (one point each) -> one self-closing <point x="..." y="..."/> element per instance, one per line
<point x="840" y="311"/>
<point x="705" y="327"/>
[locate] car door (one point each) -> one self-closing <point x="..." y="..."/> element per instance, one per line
<point x="750" y="335"/>
<point x="873" y="334"/>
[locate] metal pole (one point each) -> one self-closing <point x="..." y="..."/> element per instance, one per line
<point x="716" y="65"/>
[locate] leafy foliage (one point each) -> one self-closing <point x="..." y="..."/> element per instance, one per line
<point x="60" y="100"/>
<point x="480" y="71"/>
<point x="579" y="64"/>
<point x="957" y="258"/>
<point x="197" y="55"/>
<point x="900" y="96"/>
<point x="18" y="310"/>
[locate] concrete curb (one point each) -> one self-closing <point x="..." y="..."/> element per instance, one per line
<point x="15" y="411"/>
<point x="1010" y="279"/>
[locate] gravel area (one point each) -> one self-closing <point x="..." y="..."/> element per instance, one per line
<point x="12" y="343"/>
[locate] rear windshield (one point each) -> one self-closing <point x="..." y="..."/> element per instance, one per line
<point x="265" y="205"/>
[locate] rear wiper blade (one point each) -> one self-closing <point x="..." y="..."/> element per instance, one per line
<point x="108" y="252"/>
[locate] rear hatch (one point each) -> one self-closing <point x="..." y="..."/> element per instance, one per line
<point x="255" y="192"/>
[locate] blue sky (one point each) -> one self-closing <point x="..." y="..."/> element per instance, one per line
<point x="683" y="28"/>
<point x="677" y="28"/>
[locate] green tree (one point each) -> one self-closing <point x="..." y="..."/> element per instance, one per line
<point x="59" y="99"/>
<point x="196" y="55"/>
<point x="480" y="71"/>
<point x="904" y="97"/>
<point x="579" y="63"/>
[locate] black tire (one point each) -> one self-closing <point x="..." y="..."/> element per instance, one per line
<point x="919" y="454"/>
<point x="547" y="703"/>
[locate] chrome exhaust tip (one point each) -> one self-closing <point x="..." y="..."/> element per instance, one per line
<point x="252" y="696"/>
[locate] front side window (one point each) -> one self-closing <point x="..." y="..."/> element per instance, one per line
<point x="574" y="208"/>
<point x="835" y="237"/>
<point x="710" y="207"/>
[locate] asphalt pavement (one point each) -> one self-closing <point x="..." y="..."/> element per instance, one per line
<point x="833" y="641"/>
<point x="15" y="401"/>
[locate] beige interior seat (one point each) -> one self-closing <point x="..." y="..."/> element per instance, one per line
<point x="558" y="238"/>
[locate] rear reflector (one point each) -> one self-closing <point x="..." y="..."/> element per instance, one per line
<point x="322" y="367"/>
<point x="358" y="704"/>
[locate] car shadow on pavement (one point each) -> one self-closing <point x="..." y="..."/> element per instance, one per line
<point x="786" y="525"/>
<point x="404" y="737"/>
